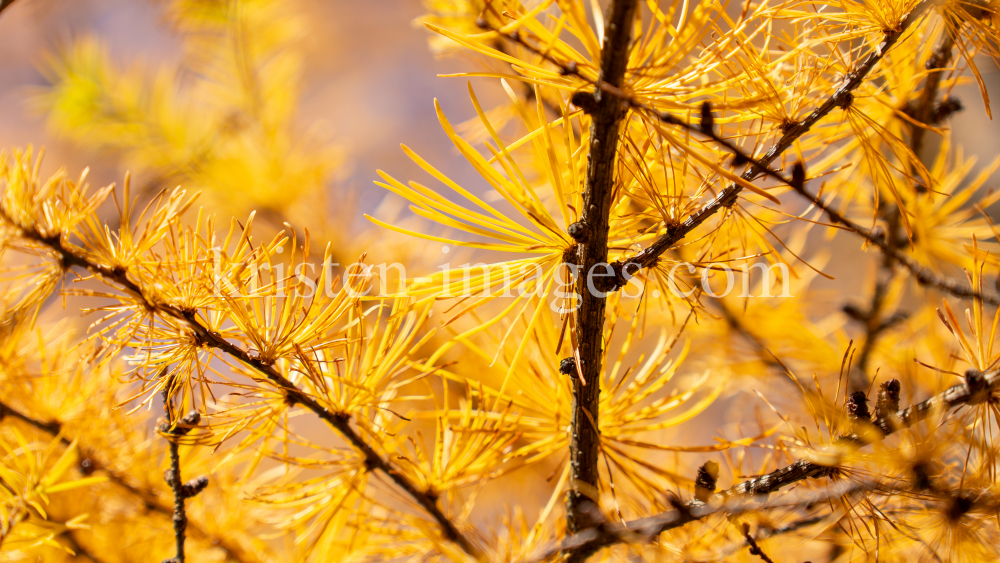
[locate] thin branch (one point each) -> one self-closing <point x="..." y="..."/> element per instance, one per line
<point x="764" y="354"/>
<point x="843" y="97"/>
<point x="586" y="101"/>
<point x="924" y="112"/>
<point x="174" y="480"/>
<point x="79" y="550"/>
<point x="339" y="421"/>
<point x="977" y="388"/>
<point x="766" y="533"/>
<point x="727" y="197"/>
<point x="647" y="529"/>
<point x="754" y="546"/>
<point x="923" y="275"/>
<point x="592" y="250"/>
<point x="150" y="499"/>
<point x="874" y="324"/>
<point x="51" y="428"/>
<point x="872" y="319"/>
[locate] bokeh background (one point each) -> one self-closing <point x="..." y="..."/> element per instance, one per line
<point x="368" y="82"/>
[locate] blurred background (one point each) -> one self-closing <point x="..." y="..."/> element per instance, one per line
<point x="368" y="78"/>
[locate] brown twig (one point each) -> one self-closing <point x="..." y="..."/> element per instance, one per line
<point x="607" y="116"/>
<point x="754" y="547"/>
<point x="339" y="421"/>
<point x="872" y="319"/>
<point x="924" y="112"/>
<point x="173" y="477"/>
<point x="923" y="275"/>
<point x="977" y="388"/>
<point x="727" y="197"/>
<point x="765" y="533"/>
<point x="647" y="529"/>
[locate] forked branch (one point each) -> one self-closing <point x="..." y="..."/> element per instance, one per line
<point x="649" y="256"/>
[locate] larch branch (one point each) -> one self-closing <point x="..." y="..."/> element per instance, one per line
<point x="923" y="274"/>
<point x="977" y="388"/>
<point x="174" y="480"/>
<point x="607" y="116"/>
<point x="339" y="421"/>
<point x="150" y="499"/>
<point x="872" y="319"/>
<point x="727" y="197"/>
<point x="649" y="256"/>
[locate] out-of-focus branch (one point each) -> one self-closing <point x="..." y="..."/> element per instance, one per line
<point x="923" y="113"/>
<point x="79" y="550"/>
<point x="339" y="421"/>
<point x="977" y="388"/>
<point x="737" y="324"/>
<point x="923" y="275"/>
<point x="766" y="533"/>
<point x="4" y="4"/>
<point x="754" y="547"/>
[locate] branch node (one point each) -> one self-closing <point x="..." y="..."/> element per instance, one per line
<point x="857" y="407"/>
<point x="194" y="486"/>
<point x="704" y="484"/>
<point x="945" y="109"/>
<point x="586" y="101"/>
<point x="787" y="125"/>
<point x="978" y="389"/>
<point x="846" y="100"/>
<point x="86" y="467"/>
<point x="578" y="231"/>
<point x="887" y="405"/>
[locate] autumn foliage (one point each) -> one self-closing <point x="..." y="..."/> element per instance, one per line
<point x="251" y="382"/>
